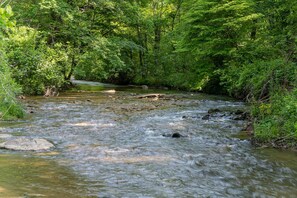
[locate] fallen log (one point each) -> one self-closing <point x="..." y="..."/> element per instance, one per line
<point x="150" y="96"/>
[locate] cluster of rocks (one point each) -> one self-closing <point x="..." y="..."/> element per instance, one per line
<point x="215" y="113"/>
<point x="234" y="115"/>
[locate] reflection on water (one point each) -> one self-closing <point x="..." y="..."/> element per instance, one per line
<point x="35" y="177"/>
<point x="115" y="145"/>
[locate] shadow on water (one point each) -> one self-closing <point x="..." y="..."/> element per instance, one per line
<point x="113" y="144"/>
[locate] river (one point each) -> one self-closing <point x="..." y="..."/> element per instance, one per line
<point x="117" y="145"/>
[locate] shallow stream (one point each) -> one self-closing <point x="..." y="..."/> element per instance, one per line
<point x="117" y="145"/>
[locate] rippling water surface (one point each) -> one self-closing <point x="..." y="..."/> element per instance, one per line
<point x="115" y="145"/>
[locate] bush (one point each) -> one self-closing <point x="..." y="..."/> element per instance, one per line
<point x="100" y="62"/>
<point x="270" y="85"/>
<point x="9" y="106"/>
<point x="259" y="80"/>
<point x="35" y="66"/>
<point x="278" y="118"/>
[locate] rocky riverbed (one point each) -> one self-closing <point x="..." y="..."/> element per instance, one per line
<point x="120" y="143"/>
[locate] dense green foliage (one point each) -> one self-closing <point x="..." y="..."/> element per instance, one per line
<point x="34" y="64"/>
<point x="9" y="106"/>
<point x="244" y="48"/>
<point x="277" y="119"/>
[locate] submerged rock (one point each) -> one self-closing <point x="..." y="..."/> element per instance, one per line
<point x="26" y="144"/>
<point x="211" y="111"/>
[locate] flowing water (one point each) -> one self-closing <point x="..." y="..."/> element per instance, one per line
<point x="117" y="145"/>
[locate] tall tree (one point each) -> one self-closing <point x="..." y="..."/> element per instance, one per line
<point x="218" y="28"/>
<point x="215" y="31"/>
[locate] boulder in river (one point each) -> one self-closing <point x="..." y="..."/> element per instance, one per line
<point x="26" y="144"/>
<point x="5" y="136"/>
<point x="176" y="135"/>
<point x="145" y="87"/>
<point x="206" y="117"/>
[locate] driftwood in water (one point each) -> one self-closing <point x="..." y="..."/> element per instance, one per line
<point x="151" y="96"/>
<point x="51" y="91"/>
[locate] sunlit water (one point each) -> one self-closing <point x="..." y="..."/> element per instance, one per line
<point x="113" y="145"/>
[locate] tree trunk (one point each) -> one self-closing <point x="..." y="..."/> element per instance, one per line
<point x="140" y="52"/>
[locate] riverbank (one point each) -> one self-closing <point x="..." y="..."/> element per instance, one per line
<point x="280" y="143"/>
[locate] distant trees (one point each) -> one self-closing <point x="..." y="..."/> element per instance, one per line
<point x="197" y="45"/>
<point x="217" y="31"/>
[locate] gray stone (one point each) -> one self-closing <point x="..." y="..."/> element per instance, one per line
<point x="26" y="144"/>
<point x="206" y="117"/>
<point x="144" y="87"/>
<point x="5" y="136"/>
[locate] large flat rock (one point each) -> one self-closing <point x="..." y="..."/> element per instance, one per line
<point x="26" y="144"/>
<point x="5" y="136"/>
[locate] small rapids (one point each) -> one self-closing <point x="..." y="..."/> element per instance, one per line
<point x="113" y="144"/>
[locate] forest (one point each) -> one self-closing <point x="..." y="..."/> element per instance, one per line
<point x="242" y="48"/>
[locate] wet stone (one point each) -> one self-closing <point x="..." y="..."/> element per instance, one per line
<point x="238" y="112"/>
<point x="234" y="192"/>
<point x="5" y="136"/>
<point x="206" y="117"/>
<point x="211" y="111"/>
<point x="176" y="135"/>
<point x="243" y="116"/>
<point x="145" y="87"/>
<point x="26" y="144"/>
